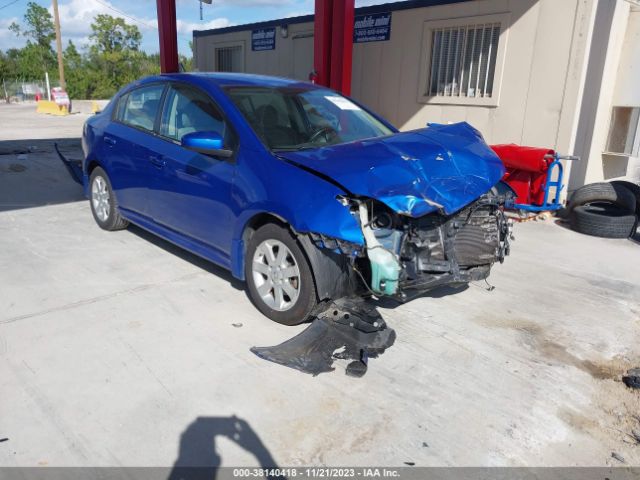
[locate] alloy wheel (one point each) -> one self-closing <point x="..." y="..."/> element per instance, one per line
<point x="276" y="275"/>
<point x="100" y="198"/>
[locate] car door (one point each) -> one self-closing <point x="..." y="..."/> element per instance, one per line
<point x="192" y="191"/>
<point x="127" y="140"/>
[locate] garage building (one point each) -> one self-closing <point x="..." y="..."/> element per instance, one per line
<point x="559" y="74"/>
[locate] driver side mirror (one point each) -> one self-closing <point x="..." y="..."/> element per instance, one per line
<point x="208" y="143"/>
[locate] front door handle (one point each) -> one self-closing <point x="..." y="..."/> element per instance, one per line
<point x="157" y="162"/>
<point x="109" y="140"/>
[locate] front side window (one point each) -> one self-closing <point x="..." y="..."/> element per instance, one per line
<point x="187" y="110"/>
<point x="140" y="107"/>
<point x="288" y="118"/>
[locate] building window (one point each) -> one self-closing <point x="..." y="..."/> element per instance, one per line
<point x="229" y="59"/>
<point x="462" y="60"/>
<point x="623" y="130"/>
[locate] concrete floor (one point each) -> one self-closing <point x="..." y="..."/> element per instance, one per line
<point x="119" y="349"/>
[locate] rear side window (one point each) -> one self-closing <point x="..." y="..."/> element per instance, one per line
<point x="187" y="110"/>
<point x="140" y="107"/>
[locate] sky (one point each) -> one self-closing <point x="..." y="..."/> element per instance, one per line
<point x="76" y="17"/>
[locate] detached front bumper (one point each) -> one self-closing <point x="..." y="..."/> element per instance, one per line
<point x="74" y="167"/>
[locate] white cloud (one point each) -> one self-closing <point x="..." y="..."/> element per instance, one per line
<point x="298" y="13"/>
<point x="187" y="28"/>
<point x="9" y="39"/>
<point x="76" y="17"/>
<point x="307" y="7"/>
<point x="253" y="3"/>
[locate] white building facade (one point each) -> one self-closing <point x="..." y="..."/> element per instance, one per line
<point x="562" y="74"/>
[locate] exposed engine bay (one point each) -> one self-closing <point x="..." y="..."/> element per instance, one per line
<point x="404" y="256"/>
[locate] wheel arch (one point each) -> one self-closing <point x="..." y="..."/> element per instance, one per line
<point x="92" y="164"/>
<point x="239" y="243"/>
<point x="332" y="276"/>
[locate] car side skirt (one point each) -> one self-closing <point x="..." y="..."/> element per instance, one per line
<point x="187" y="243"/>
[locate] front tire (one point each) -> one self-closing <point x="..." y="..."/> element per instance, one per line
<point x="279" y="277"/>
<point x="103" y="202"/>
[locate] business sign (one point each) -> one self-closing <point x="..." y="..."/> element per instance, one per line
<point x="372" y="28"/>
<point x="263" y="39"/>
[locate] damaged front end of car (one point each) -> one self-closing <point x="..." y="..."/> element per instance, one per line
<point x="404" y="256"/>
<point x="429" y="203"/>
<point x="431" y="209"/>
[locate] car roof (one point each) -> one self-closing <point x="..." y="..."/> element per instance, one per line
<point x="224" y="79"/>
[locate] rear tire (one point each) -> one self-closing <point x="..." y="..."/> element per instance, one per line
<point x="103" y="202"/>
<point x="603" y="220"/>
<point x="278" y="275"/>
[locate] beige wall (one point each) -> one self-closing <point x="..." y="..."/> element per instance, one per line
<point x="626" y="92"/>
<point x="606" y="64"/>
<point x="538" y="64"/>
<point x="292" y="57"/>
<point x="541" y="82"/>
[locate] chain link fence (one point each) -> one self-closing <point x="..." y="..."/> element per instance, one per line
<point x="22" y="90"/>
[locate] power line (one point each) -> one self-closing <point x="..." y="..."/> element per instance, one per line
<point x="130" y="17"/>
<point x="8" y="4"/>
<point x="125" y="15"/>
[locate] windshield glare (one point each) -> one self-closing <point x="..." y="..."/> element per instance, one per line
<point x="295" y="119"/>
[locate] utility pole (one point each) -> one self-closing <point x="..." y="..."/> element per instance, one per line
<point x="56" y="19"/>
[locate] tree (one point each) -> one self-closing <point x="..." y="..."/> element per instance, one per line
<point x="37" y="56"/>
<point x="115" y="52"/>
<point x="76" y="75"/>
<point x="34" y="60"/>
<point x="112" y="59"/>
<point x="113" y="35"/>
<point x="39" y="25"/>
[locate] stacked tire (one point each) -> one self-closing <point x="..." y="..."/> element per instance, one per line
<point x="605" y="209"/>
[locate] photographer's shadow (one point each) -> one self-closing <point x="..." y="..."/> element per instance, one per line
<point x="198" y="457"/>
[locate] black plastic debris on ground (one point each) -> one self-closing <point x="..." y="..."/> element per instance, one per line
<point x="632" y="378"/>
<point x="349" y="329"/>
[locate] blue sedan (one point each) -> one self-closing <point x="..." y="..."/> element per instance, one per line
<point x="301" y="192"/>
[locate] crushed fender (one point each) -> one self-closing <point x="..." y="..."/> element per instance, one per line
<point x="348" y="329"/>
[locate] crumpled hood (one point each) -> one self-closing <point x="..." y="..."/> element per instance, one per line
<point x="414" y="173"/>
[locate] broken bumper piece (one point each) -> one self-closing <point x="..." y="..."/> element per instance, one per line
<point x="348" y="329"/>
<point x="74" y="167"/>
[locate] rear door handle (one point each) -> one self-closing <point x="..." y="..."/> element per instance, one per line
<point x="157" y="162"/>
<point x="109" y="140"/>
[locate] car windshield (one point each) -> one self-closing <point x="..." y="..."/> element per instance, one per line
<point x="288" y="118"/>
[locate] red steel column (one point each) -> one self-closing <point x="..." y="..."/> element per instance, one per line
<point x="342" y="45"/>
<point x="322" y="41"/>
<point x="168" y="34"/>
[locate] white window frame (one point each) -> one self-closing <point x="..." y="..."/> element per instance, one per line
<point x="240" y="44"/>
<point x="635" y="148"/>
<point x="425" y="59"/>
